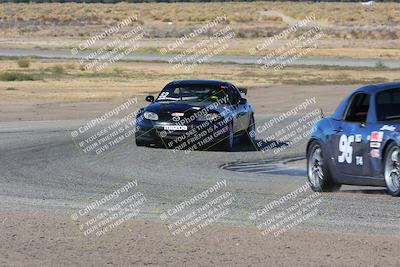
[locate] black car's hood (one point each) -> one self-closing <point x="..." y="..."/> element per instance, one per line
<point x="176" y="106"/>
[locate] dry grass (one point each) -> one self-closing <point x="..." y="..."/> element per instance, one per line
<point x="76" y="94"/>
<point x="182" y="13"/>
<point x="247" y="19"/>
<point x="129" y="78"/>
<point x="351" y="30"/>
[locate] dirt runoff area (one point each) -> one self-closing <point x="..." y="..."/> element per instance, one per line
<point x="30" y="239"/>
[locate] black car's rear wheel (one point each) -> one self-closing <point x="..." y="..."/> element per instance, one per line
<point x="317" y="170"/>
<point x="249" y="136"/>
<point x="392" y="170"/>
<point x="228" y="142"/>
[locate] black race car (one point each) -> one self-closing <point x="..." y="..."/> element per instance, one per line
<point x="196" y="114"/>
<point x="359" y="143"/>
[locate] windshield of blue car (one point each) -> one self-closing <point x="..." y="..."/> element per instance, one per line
<point x="388" y="105"/>
<point x="192" y="92"/>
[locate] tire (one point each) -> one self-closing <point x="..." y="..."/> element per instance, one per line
<point x="248" y="138"/>
<point x="228" y="142"/>
<point x="391" y="165"/>
<point x="318" y="172"/>
<point x="141" y="142"/>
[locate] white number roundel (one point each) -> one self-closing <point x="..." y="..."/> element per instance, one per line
<point x="346" y="149"/>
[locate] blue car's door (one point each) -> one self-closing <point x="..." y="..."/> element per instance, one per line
<point x="349" y="142"/>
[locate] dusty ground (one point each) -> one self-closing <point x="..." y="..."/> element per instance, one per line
<point x="351" y="30"/>
<point x="29" y="108"/>
<point x="331" y="47"/>
<point x="72" y="93"/>
<point x="48" y="240"/>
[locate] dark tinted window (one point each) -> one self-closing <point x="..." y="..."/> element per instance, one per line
<point x="357" y="111"/>
<point x="235" y="95"/>
<point x="192" y="92"/>
<point x="388" y="105"/>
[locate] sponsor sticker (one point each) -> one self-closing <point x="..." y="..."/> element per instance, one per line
<point x="388" y="128"/>
<point x="376" y="136"/>
<point x="359" y="160"/>
<point x="375" y="153"/>
<point x="375" y="144"/>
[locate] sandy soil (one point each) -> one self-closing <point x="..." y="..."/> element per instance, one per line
<point x="334" y="47"/>
<point x="23" y="105"/>
<point x="49" y="240"/>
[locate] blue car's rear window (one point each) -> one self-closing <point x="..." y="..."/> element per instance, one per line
<point x="388" y="105"/>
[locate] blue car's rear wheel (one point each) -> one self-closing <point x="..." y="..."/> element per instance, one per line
<point x="392" y="170"/>
<point x="317" y="170"/>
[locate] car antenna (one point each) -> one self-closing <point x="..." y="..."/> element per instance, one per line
<point x="322" y="113"/>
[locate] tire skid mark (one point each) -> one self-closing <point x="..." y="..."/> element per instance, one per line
<point x="279" y="167"/>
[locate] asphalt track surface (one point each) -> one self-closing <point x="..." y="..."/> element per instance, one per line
<point x="42" y="169"/>
<point x="312" y="61"/>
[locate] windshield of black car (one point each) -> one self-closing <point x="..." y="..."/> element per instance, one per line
<point x="192" y="92"/>
<point x="388" y="105"/>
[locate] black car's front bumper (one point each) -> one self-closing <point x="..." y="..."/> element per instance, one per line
<point x="199" y="134"/>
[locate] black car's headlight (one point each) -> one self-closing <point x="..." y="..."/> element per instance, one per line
<point x="150" y="115"/>
<point x="209" y="117"/>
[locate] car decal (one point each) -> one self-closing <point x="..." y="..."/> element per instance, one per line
<point x="376" y="136"/>
<point x="359" y="160"/>
<point x="346" y="149"/>
<point x="388" y="128"/>
<point x="375" y="153"/>
<point x="375" y="144"/>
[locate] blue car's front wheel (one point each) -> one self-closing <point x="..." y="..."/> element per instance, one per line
<point x="317" y="170"/>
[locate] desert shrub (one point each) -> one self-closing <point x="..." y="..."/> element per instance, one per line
<point x="17" y="76"/>
<point x="380" y="65"/>
<point x="24" y="62"/>
<point x="57" y="70"/>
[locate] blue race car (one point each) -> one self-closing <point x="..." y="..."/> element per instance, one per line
<point x="359" y="143"/>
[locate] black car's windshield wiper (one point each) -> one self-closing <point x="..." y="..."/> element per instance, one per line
<point x="166" y="99"/>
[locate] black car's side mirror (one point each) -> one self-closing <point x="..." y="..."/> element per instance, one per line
<point x="243" y="90"/>
<point x="242" y="101"/>
<point x="149" y="98"/>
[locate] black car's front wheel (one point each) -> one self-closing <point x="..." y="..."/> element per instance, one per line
<point x="228" y="141"/>
<point x="140" y="142"/>
<point x="317" y="170"/>
<point x="392" y="170"/>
